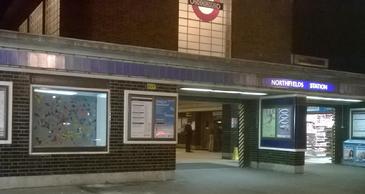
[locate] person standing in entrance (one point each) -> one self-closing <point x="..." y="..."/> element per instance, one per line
<point x="188" y="136"/>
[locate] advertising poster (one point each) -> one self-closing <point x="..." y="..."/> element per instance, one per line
<point x="348" y="152"/>
<point x="141" y="118"/>
<point x="2" y="114"/>
<point x="269" y="123"/>
<point x="358" y="124"/>
<point x="360" y="154"/>
<point x="165" y="116"/>
<point x="284" y="122"/>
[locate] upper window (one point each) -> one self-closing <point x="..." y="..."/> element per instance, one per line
<point x="69" y="120"/>
<point x="6" y="90"/>
<point x="48" y="11"/>
<point x="204" y="27"/>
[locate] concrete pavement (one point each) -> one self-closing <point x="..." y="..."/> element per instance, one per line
<point x="209" y="178"/>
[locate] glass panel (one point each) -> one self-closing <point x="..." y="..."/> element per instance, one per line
<point x="36" y="20"/>
<point x="216" y="32"/>
<point x="3" y="113"/>
<point x="52" y="17"/>
<point x="24" y="26"/>
<point x="63" y="118"/>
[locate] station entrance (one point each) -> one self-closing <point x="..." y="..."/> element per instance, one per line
<point x="273" y="130"/>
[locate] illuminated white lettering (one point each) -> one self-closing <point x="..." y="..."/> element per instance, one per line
<point x="205" y="3"/>
<point x="318" y="86"/>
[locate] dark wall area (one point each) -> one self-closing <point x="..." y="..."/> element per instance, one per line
<point x="262" y="30"/>
<point x="14" y="12"/>
<point x="333" y="29"/>
<point x="146" y="23"/>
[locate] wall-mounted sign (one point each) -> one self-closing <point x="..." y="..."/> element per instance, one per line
<point x="206" y="10"/>
<point x="150" y="117"/>
<point x="299" y="85"/>
<point x="151" y="86"/>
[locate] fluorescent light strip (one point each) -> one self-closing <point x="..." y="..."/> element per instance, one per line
<point x="60" y="92"/>
<point x="223" y="91"/>
<point x="332" y="99"/>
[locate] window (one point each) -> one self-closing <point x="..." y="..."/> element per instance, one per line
<point x="6" y="96"/>
<point x="45" y="19"/>
<point x="69" y="120"/>
<point x="200" y="37"/>
<point x="36" y="20"/>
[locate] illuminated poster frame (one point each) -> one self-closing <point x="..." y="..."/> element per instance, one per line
<point x="280" y="131"/>
<point x="150" y="117"/>
<point x="354" y="127"/>
<point x="6" y="101"/>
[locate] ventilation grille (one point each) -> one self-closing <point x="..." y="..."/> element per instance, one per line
<point x="309" y="61"/>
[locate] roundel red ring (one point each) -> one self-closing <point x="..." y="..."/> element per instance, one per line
<point x="206" y="17"/>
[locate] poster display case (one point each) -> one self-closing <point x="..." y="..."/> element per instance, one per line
<point x="354" y="152"/>
<point x="6" y="97"/>
<point x="150" y="117"/>
<point x="354" y="148"/>
<point x="281" y="123"/>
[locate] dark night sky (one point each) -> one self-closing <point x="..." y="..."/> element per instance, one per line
<point x="333" y="29"/>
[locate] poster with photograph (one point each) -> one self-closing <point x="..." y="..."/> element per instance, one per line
<point x="360" y="153"/>
<point x="358" y="124"/>
<point x="348" y="152"/>
<point x="284" y="122"/>
<point x="165" y="115"/>
<point x="141" y="117"/>
<point x="269" y="123"/>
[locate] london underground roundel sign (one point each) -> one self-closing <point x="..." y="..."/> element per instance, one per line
<point x="206" y="10"/>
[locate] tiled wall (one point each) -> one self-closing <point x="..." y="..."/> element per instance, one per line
<point x="16" y="161"/>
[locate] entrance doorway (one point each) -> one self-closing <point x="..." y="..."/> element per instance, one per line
<point x="208" y="120"/>
<point x="320" y="127"/>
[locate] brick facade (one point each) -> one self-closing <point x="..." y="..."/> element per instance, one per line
<point x="16" y="161"/>
<point x="262" y="30"/>
<point x="147" y="23"/>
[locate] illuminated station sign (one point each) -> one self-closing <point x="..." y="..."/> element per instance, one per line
<point x="299" y="84"/>
<point x="206" y="10"/>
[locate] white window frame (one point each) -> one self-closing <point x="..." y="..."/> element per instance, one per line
<point x="9" y="112"/>
<point x="69" y="88"/>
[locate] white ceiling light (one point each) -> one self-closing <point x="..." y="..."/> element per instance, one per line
<point x="60" y="92"/>
<point x="223" y="91"/>
<point x="332" y="99"/>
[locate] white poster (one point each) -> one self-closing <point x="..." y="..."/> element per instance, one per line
<point x="358" y="124"/>
<point x="141" y="118"/>
<point x="2" y="114"/>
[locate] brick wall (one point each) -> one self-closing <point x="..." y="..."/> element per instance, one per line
<point x="262" y="30"/>
<point x="16" y="161"/>
<point x="146" y="23"/>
